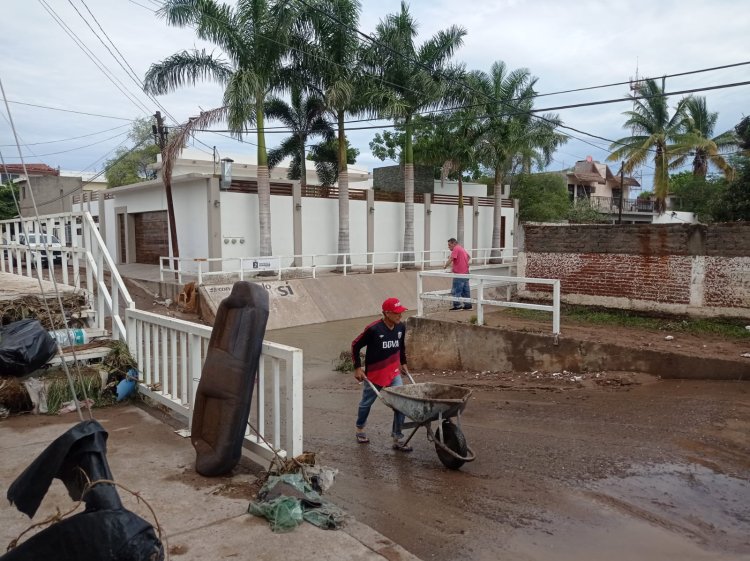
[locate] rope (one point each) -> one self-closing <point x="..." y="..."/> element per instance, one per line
<point x="38" y="268"/>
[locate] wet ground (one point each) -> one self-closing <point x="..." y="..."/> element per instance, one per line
<point x="617" y="466"/>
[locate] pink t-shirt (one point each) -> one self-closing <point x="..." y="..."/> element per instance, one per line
<point x="460" y="260"/>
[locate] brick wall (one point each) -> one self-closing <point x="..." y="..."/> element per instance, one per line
<point x="694" y="269"/>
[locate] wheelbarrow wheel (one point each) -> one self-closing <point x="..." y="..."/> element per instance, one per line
<point x="454" y="439"/>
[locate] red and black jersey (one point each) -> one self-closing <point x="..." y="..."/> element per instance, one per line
<point x="386" y="351"/>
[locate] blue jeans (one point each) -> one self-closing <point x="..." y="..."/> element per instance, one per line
<point x="368" y="398"/>
<point x="460" y="289"/>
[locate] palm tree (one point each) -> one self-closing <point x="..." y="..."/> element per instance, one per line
<point x="304" y="117"/>
<point x="654" y="131"/>
<point x="512" y="136"/>
<point x="414" y="78"/>
<point x="331" y="63"/>
<point x="251" y="71"/>
<point x="699" y="125"/>
<point x="448" y="142"/>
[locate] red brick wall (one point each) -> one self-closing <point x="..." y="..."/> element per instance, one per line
<point x="658" y="278"/>
<point x="678" y="268"/>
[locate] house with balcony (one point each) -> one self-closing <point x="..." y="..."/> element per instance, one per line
<point x="613" y="195"/>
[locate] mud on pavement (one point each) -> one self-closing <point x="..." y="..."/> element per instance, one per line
<point x="570" y="466"/>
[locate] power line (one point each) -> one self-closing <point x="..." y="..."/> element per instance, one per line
<point x="129" y="71"/>
<point x="71" y="111"/>
<point x="79" y="147"/>
<point x="100" y="65"/>
<point x="68" y="139"/>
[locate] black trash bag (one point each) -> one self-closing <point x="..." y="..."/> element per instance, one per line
<point x="25" y="346"/>
<point x="105" y="531"/>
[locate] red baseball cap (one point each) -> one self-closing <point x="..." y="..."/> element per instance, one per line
<point x="393" y="305"/>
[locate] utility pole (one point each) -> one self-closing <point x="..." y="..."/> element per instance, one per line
<point x="160" y="135"/>
<point x="622" y="191"/>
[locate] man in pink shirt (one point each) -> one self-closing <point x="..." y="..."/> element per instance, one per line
<point x="459" y="263"/>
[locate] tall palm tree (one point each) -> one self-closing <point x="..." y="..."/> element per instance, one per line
<point x="251" y="70"/>
<point x="699" y="125"/>
<point x="304" y="117"/>
<point x="414" y="78"/>
<point x="512" y="136"/>
<point x="331" y="63"/>
<point x="654" y="132"/>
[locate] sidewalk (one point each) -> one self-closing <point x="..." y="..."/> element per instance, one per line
<point x="202" y="518"/>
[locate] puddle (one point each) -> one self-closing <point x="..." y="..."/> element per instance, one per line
<point x="666" y="511"/>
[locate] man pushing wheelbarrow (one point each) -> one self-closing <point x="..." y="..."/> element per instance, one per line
<point x="385" y="361"/>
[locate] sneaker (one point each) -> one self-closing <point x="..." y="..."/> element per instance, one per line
<point x="454" y="309"/>
<point x="467" y="307"/>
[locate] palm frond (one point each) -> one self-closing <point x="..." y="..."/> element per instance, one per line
<point x="185" y="68"/>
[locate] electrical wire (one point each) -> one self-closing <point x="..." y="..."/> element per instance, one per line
<point x="38" y="269"/>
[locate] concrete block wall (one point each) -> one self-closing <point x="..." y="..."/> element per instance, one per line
<point x="688" y="269"/>
<point x="391" y="178"/>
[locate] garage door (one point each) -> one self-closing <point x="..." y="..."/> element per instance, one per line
<point x="151" y="238"/>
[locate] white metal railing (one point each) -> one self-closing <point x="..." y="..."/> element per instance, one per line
<point x="171" y="352"/>
<point x="480" y="283"/>
<point x="297" y="266"/>
<point x="80" y="260"/>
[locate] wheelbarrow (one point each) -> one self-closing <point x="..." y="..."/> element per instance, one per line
<point x="425" y="403"/>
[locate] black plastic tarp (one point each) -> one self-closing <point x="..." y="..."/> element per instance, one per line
<point x="105" y="531"/>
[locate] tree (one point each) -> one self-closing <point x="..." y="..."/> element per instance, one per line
<point x="743" y="134"/>
<point x="253" y="70"/>
<point x="512" y="135"/>
<point x="542" y="197"/>
<point x="333" y="66"/>
<point x="304" y="117"/>
<point x="654" y="132"/>
<point x="735" y="204"/>
<point x="700" y="195"/>
<point x="413" y="78"/>
<point x="8" y="197"/>
<point x="131" y="165"/>
<point x="447" y="142"/>
<point x="326" y="158"/>
<point x="699" y="125"/>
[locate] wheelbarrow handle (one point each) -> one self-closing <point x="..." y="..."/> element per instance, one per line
<point x="376" y="389"/>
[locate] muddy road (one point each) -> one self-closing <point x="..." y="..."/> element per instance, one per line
<point x="618" y="466"/>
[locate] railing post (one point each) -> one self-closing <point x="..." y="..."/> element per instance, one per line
<point x="420" y="304"/>
<point x="294" y="405"/>
<point x="480" y="299"/>
<point x="398" y="261"/>
<point x="556" y="310"/>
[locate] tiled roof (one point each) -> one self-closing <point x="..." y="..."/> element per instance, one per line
<point x="32" y="169"/>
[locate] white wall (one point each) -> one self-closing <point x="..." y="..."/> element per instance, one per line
<point x="451" y="188"/>
<point x="319" y="217"/>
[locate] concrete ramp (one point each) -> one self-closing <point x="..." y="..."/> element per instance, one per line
<point x="329" y="298"/>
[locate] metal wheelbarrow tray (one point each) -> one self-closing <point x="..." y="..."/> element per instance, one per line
<point x="427" y="401"/>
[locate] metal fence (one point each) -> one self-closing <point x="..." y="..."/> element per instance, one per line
<point x="479" y="284"/>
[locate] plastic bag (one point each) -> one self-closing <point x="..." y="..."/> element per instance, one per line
<point x="25" y="346"/>
<point x="287" y="499"/>
<point x="284" y="514"/>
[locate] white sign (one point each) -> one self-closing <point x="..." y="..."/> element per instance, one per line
<point x="261" y="264"/>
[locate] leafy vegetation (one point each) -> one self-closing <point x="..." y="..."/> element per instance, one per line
<point x="7" y="204"/>
<point x="344" y="362"/>
<point x="542" y="197"/>
<point x="131" y="165"/>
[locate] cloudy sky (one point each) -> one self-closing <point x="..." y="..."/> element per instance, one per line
<point x="70" y="114"/>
